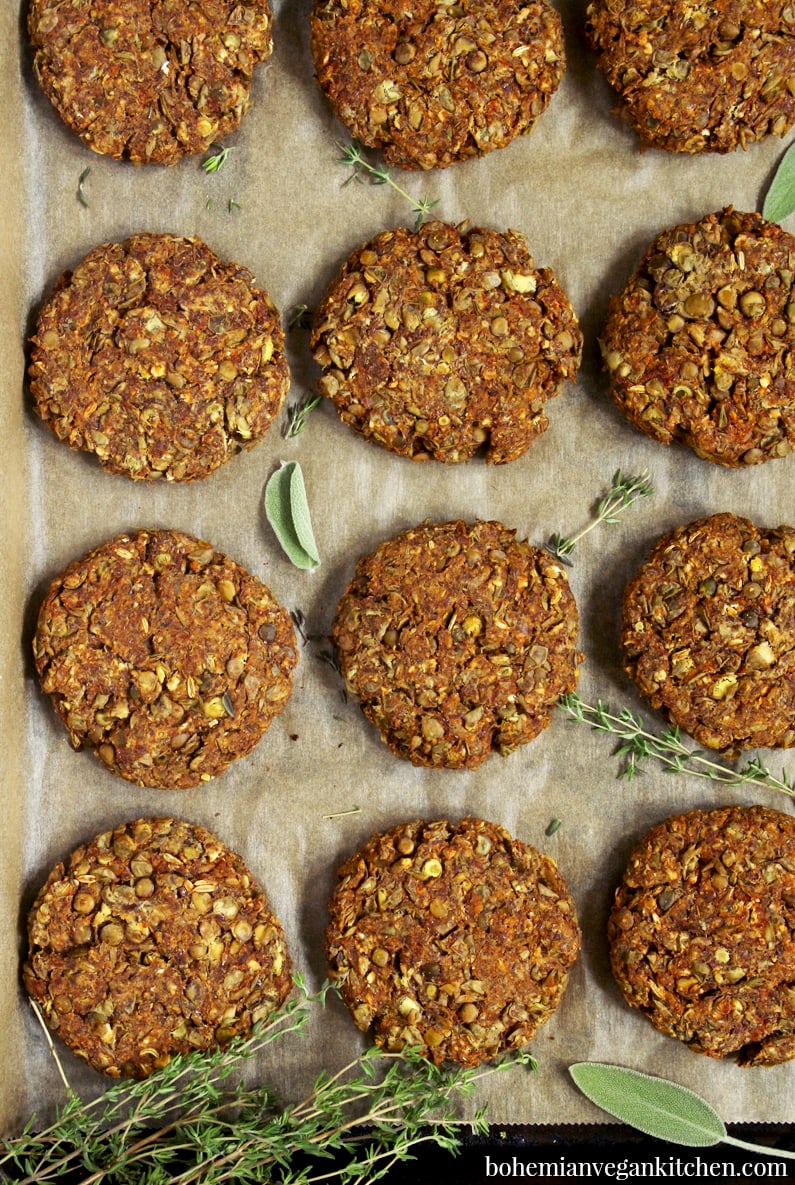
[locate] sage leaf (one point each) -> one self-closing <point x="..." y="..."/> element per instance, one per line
<point x="659" y="1108"/>
<point x="780" y="198"/>
<point x="287" y="511"/>
<point x="652" y="1105"/>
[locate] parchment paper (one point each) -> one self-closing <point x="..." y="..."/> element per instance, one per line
<point x="589" y="202"/>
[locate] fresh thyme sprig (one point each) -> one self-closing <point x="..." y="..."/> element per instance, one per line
<point x="298" y="414"/>
<point x="353" y="156"/>
<point x="638" y="745"/>
<point x="185" y="1124"/>
<point x="217" y="161"/>
<point x="624" y="491"/>
<point x="300" y="317"/>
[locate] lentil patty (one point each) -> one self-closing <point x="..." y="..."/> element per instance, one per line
<point x="698" y="345"/>
<point x="439" y="342"/>
<point x="149" y="81"/>
<point x="701" y="932"/>
<point x="153" y="940"/>
<point x="432" y="82"/>
<point x="158" y="358"/>
<point x="452" y="937"/>
<point x="698" y="77"/>
<point x="458" y="640"/>
<point x="709" y="632"/>
<point x="164" y="657"/>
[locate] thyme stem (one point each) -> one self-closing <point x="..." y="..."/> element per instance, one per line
<point x="353" y="156"/>
<point x="624" y="491"/>
<point x="180" y="1126"/>
<point x="668" y="748"/>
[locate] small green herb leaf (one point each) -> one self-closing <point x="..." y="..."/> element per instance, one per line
<point x="652" y="1105"/>
<point x="287" y="511"/>
<point x="780" y="198"/>
<point x="81" y="192"/>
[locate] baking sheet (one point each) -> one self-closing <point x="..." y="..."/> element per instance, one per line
<point x="588" y="202"/>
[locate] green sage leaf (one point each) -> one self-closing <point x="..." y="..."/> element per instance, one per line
<point x="780" y="198"/>
<point x="655" y="1106"/>
<point x="287" y="511"/>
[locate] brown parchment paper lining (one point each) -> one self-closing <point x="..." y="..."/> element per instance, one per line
<point x="588" y="202"/>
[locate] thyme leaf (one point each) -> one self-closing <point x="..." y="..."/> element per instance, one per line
<point x="638" y="744"/>
<point x="353" y="156"/>
<point x="81" y="183"/>
<point x="625" y="490"/>
<point x="779" y="200"/>
<point x="658" y="1107"/>
<point x="194" y="1121"/>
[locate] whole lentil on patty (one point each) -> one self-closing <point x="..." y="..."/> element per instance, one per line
<point x="153" y="940"/>
<point x="163" y="657"/>
<point x="698" y="345"/>
<point x="701" y="932"/>
<point x="458" y="640"/>
<point x="708" y="632"/>
<point x="150" y="81"/>
<point x="159" y="358"/>
<point x="452" y="937"/>
<point x="437" y="81"/>
<point x="698" y="77"/>
<point x="443" y="341"/>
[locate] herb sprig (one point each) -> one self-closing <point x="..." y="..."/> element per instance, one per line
<point x="624" y="492"/>
<point x="298" y="413"/>
<point x="353" y="156"/>
<point x="668" y="748"/>
<point x="779" y="200"/>
<point x="214" y="163"/>
<point x="186" y="1124"/>
<point x="658" y="1107"/>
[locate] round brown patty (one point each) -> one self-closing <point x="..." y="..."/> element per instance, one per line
<point x="433" y="83"/>
<point x="159" y="358"/>
<point x="149" y="82"/>
<point x="164" y="657"/>
<point x="452" y="937"/>
<point x="458" y="640"/>
<point x="439" y="342"/>
<point x="153" y="940"/>
<point x="709" y="632"/>
<point x="699" y="344"/>
<point x="701" y="932"/>
<point x="695" y="77"/>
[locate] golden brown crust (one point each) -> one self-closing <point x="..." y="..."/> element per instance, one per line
<point x="149" y="82"/>
<point x="158" y="358"/>
<point x="445" y="340"/>
<point x="154" y="940"/>
<point x="701" y="932"/>
<point x="458" y="640"/>
<point x="165" y="658"/>
<point x="454" y="938"/>
<point x="708" y="632"/>
<point x="698" y="77"/>
<point x="698" y="345"/>
<point x="432" y="83"/>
